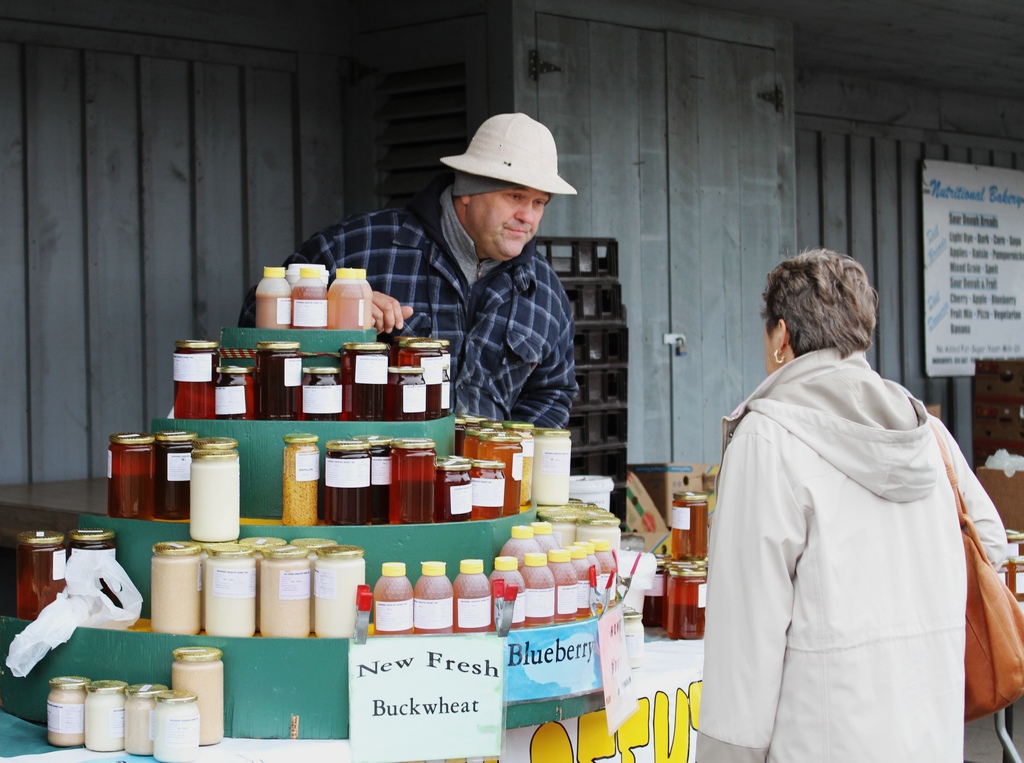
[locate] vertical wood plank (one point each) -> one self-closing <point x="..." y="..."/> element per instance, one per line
<point x="58" y="340"/>
<point x="808" y="190"/>
<point x="14" y="421"/>
<point x="321" y="197"/>
<point x="220" y="281"/>
<point x="887" y="264"/>
<point x="861" y="222"/>
<point x="115" y="309"/>
<point x="167" y="222"/>
<point x="833" y="192"/>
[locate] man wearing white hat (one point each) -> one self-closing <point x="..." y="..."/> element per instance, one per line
<point x="460" y="264"/>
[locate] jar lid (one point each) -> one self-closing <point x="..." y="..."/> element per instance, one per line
<point x="229" y="550"/>
<point x="285" y="552"/>
<point x="558" y="555"/>
<point x="235" y="369"/>
<point x="1013" y="536"/>
<point x="472" y="418"/>
<point x="506" y="563"/>
<point x="541" y="528"/>
<point x="144" y="690"/>
<point x="40" y="537"/>
<point x="309" y="272"/>
<point x="460" y="420"/>
<point x="393" y="569"/>
<point x="175" y="435"/>
<point x="519" y="426"/>
<point x="260" y="542"/>
<point x="177" y="548"/>
<point x="628" y="613"/>
<point x="471" y="566"/>
<point x="482" y="464"/>
<point x="374" y="439"/>
<point x="522" y="532"/>
<point x="545" y="432"/>
<point x="577" y="552"/>
<point x="197" y="654"/>
<point x="341" y="552"/>
<point x="433" y="569"/>
<point x="686" y="572"/>
<point x="587" y="545"/>
<point x="404" y="340"/>
<point x="277" y="346"/>
<point x="69" y="682"/>
<point x="346" y="273"/>
<point x="313" y="543"/>
<point x="217" y="443"/>
<point x="365" y="347"/>
<point x="406" y="370"/>
<point x="500" y="437"/>
<point x="1017" y="560"/>
<point x="347" y="445"/>
<point x="688" y="496"/>
<point x="107" y="687"/>
<point x="91" y="533"/>
<point x="273" y="272"/>
<point x="557" y="514"/>
<point x="301" y="438"/>
<point x="322" y="370"/>
<point x="177" y="697"/>
<point x="210" y="454"/>
<point x="131" y="438"/>
<point x="603" y="519"/>
<point x="454" y="464"/>
<point x="422" y="344"/>
<point x="413" y="443"/>
<point x="196" y="344"/>
<point x="533" y="559"/>
<point x="601" y="544"/>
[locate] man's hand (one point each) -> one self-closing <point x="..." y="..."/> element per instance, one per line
<point x="388" y="313"/>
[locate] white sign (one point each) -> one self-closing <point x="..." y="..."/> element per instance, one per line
<point x="973" y="265"/>
<point x="620" y="700"/>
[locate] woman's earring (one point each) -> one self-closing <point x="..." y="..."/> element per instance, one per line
<point x="779" y="360"/>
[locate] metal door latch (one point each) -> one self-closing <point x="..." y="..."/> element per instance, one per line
<point x="678" y="340"/>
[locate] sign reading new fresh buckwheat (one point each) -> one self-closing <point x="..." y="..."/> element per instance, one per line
<point x="426" y="697"/>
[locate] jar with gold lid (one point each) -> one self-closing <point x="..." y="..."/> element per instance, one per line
<point x="321" y="393"/>
<point x="348" y="494"/>
<point x="300" y="480"/>
<point x="552" y="451"/>
<point x="506" y="447"/>
<point x="686" y="599"/>
<point x="130" y="470"/>
<point x="176" y="727"/>
<point x="278" y="380"/>
<point x="200" y="669"/>
<point x="214" y="495"/>
<point x="364" y="380"/>
<point x="104" y="716"/>
<point x="235" y="393"/>
<point x="39" y="561"/>
<point x="338" y="573"/>
<point x="285" y="592"/>
<point x="172" y="471"/>
<point x="634" y="629"/>
<point x="175" y="588"/>
<point x="599" y="525"/>
<point x="194" y="390"/>
<point x="689" y="525"/>
<point x="139" y="704"/>
<point x="405" y="398"/>
<point x="525" y="431"/>
<point x="229" y="590"/>
<point x="65" y="711"/>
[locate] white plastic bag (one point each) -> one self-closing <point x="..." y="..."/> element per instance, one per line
<point x="82" y="603"/>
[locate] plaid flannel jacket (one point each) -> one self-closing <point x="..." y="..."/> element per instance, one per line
<point x="511" y="334"/>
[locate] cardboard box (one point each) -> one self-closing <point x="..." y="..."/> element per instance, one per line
<point x="1007" y="493"/>
<point x="662" y="480"/>
<point x="644" y="518"/>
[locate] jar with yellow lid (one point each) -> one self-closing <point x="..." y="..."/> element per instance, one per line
<point x="104" y="716"/>
<point x="300" y="479"/>
<point x="285" y="592"/>
<point x="338" y="573"/>
<point x="139" y="704"/>
<point x="214" y="495"/>
<point x="65" y="711"/>
<point x="199" y="669"/>
<point x="552" y="451"/>
<point x="39" y="561"/>
<point x="175" y="588"/>
<point x="229" y="592"/>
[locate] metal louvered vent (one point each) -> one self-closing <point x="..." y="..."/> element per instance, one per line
<point x="421" y="117"/>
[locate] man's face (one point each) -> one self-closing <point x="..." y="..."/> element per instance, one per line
<point x="502" y="222"/>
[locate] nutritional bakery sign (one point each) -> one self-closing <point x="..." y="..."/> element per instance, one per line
<point x="973" y="265"/>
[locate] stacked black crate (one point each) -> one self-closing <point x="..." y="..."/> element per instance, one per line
<point x="589" y="271"/>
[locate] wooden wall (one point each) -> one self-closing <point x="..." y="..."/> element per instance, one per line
<point x="859" y="148"/>
<point x="146" y="176"/>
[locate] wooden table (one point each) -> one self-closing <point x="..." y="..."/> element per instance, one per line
<point x="48" y="506"/>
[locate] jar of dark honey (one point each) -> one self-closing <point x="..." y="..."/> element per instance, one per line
<point x="39" y="561"/>
<point x="364" y="379"/>
<point x="278" y="380"/>
<point x="130" y="473"/>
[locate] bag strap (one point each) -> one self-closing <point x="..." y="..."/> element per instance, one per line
<point x="966" y="523"/>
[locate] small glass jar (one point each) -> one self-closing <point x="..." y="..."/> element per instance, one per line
<point x="686" y="598"/>
<point x="285" y="593"/>
<point x="1017" y="563"/>
<point x="259" y="545"/>
<point x="139" y="704"/>
<point x="654" y="597"/>
<point x="130" y="464"/>
<point x="312" y="546"/>
<point x="689" y="525"/>
<point x="488" y="489"/>
<point x="235" y="391"/>
<point x="95" y="540"/>
<point x="278" y="380"/>
<point x="1014" y="543"/>
<point x="413" y="473"/>
<point x="348" y="495"/>
<point x="453" y="491"/>
<point x="199" y="669"/>
<point x="406" y="394"/>
<point x="214" y="512"/>
<point x="427" y="354"/>
<point x="552" y="451"/>
<point x="39" y="560"/>
<point x="634" y="630"/>
<point x="321" y="394"/>
<point x="599" y="525"/>
<point x="194" y="390"/>
<point x="65" y="711"/>
<point x="176" y="586"/>
<point x="176" y="727"/>
<point x="525" y="431"/>
<point x="300" y="479"/>
<point x="460" y="435"/>
<point x="364" y="380"/>
<point x="506" y="447"/>
<point x="338" y="572"/>
<point x="104" y="716"/>
<point x="380" y="476"/>
<point x="172" y="472"/>
<point x="229" y="590"/>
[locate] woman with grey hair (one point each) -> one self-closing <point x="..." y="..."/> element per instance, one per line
<point x="837" y="587"/>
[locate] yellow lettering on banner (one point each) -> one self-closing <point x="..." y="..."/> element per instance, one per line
<point x="635" y="732"/>
<point x="551" y="744"/>
<point x="678" y="749"/>
<point x="696" y="690"/>
<point x="593" y="740"/>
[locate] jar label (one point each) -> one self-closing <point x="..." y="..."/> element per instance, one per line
<point x="527" y="447"/>
<point x="284" y="311"/>
<point x="371" y="369"/>
<point x="347" y="472"/>
<point x="635" y="645"/>
<point x="193" y="367"/>
<point x="517" y="466"/>
<point x="293" y="372"/>
<point x="475" y="613"/>
<point x="179" y="467"/>
<point x="307" y="466"/>
<point x="433" y="369"/>
<point x="702" y="596"/>
<point x="657" y="587"/>
<point x="229" y="401"/>
<point x="392" y="615"/>
<point x="309" y="313"/>
<point x="325" y="584"/>
<point x="583" y="594"/>
<point x="680" y="517"/>
<point x="321" y="399"/>
<point x="293" y="585"/>
<point x="555" y="462"/>
<point x="446" y="396"/>
<point x="540" y="602"/>
<point x="115" y="721"/>
<point x="65" y="719"/>
<point x="60" y="560"/>
<point x="602" y="583"/>
<point x="461" y="499"/>
<point x="432" y="614"/>
<point x="519" y="610"/>
<point x="380" y="470"/>
<point x="233" y="584"/>
<point x="111" y="552"/>
<point x="488" y="492"/>
<point x="181" y="732"/>
<point x="110" y="465"/>
<point x="414" y="398"/>
<point x="566" y="599"/>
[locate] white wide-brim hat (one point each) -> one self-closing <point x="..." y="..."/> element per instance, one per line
<point x="516" y="149"/>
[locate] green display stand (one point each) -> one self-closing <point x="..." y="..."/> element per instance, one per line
<point x="311" y="341"/>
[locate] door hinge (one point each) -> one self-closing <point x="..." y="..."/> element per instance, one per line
<point x="774" y="97"/>
<point x="538" y="67"/>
